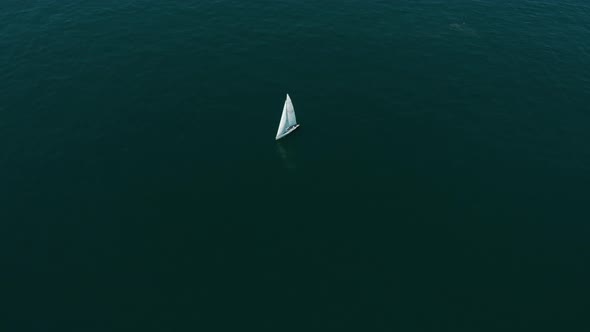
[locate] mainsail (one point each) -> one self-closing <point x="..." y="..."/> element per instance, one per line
<point x="288" y="119"/>
<point x="291" y="120"/>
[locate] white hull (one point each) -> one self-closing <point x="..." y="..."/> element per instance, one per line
<point x="287" y="132"/>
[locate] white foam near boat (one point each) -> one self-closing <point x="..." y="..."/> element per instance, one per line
<point x="288" y="121"/>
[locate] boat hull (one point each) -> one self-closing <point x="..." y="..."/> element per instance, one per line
<point x="290" y="130"/>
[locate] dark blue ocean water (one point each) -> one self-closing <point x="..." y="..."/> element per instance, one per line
<point x="439" y="180"/>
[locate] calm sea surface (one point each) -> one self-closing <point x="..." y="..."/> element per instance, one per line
<point x="439" y="180"/>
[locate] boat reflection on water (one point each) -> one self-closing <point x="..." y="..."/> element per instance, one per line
<point x="288" y="163"/>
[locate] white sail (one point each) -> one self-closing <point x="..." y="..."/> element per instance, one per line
<point x="291" y="120"/>
<point x="288" y="119"/>
<point x="283" y="124"/>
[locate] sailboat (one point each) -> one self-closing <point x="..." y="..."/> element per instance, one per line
<point x="288" y="121"/>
